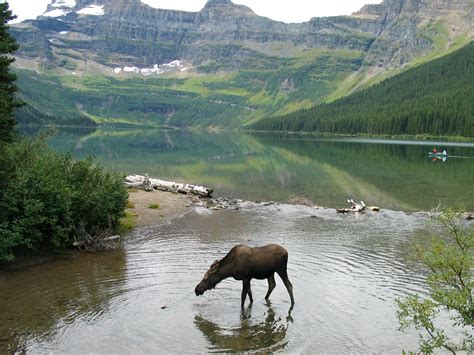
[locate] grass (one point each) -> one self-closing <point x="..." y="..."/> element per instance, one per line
<point x="127" y="222"/>
<point x="153" y="206"/>
<point x="130" y="204"/>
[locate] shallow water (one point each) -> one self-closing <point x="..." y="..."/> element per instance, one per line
<point x="346" y="271"/>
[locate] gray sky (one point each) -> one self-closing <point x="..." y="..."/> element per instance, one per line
<point x="282" y="10"/>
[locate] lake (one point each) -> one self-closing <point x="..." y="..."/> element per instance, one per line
<point x="347" y="270"/>
<point x="396" y="175"/>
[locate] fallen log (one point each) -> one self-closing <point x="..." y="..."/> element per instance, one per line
<point x="355" y="207"/>
<point x="150" y="184"/>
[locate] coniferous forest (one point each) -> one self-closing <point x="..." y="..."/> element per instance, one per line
<point x="434" y="99"/>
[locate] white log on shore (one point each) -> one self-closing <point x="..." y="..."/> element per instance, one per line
<point x="355" y="207"/>
<point x="149" y="184"/>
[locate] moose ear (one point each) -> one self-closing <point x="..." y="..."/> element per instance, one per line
<point x="214" y="266"/>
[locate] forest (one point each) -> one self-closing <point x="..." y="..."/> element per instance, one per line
<point x="434" y="99"/>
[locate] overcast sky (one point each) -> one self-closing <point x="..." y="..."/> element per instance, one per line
<point x="282" y="10"/>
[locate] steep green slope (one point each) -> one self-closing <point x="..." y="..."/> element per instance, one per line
<point x="47" y="101"/>
<point x="224" y="99"/>
<point x="434" y="98"/>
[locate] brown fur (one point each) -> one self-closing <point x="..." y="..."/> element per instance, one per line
<point x="246" y="263"/>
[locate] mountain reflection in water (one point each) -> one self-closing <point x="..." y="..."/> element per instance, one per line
<point x="390" y="174"/>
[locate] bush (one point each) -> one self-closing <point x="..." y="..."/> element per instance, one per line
<point x="49" y="196"/>
<point x="449" y="261"/>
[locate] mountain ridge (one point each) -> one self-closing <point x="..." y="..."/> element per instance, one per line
<point x="292" y="66"/>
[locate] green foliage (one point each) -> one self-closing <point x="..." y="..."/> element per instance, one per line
<point x="450" y="264"/>
<point x="434" y="98"/>
<point x="127" y="222"/>
<point x="268" y="87"/>
<point x="51" y="196"/>
<point x="8" y="46"/>
<point x="47" y="102"/>
<point x="45" y="197"/>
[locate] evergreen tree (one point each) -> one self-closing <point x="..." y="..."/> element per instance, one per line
<point x="434" y="98"/>
<point x="7" y="88"/>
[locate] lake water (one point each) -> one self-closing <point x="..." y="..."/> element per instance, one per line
<point x="347" y="270"/>
<point x="396" y="175"/>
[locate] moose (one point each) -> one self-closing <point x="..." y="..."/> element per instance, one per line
<point x="246" y="263"/>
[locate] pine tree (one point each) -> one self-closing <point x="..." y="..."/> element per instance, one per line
<point x="7" y="88"/>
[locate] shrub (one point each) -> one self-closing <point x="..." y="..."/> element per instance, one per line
<point x="449" y="261"/>
<point x="50" y="196"/>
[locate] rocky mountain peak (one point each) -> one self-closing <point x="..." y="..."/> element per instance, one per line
<point x="226" y="8"/>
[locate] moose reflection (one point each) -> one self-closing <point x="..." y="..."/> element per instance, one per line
<point x="266" y="334"/>
<point x="246" y="263"/>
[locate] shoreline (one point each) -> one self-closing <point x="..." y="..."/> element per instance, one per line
<point x="156" y="207"/>
<point x="146" y="209"/>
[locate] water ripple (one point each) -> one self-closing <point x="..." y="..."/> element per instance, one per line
<point x="346" y="272"/>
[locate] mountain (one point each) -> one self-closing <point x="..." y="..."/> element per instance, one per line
<point x="434" y="98"/>
<point x="124" y="62"/>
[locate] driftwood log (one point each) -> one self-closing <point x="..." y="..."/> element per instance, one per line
<point x="355" y="207"/>
<point x="150" y="184"/>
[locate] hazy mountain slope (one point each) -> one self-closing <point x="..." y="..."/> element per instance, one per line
<point x="434" y="98"/>
<point x="243" y="65"/>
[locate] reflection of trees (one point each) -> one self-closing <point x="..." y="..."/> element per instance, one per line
<point x="37" y="303"/>
<point x="266" y="335"/>
<point x="398" y="176"/>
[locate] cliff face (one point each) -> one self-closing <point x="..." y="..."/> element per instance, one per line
<point x="391" y="33"/>
<point x="409" y="28"/>
<point x="162" y="35"/>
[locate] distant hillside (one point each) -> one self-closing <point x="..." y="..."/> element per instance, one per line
<point x="124" y="62"/>
<point x="436" y="98"/>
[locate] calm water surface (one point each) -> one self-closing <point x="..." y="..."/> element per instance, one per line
<point x="347" y="270"/>
<point x="391" y="174"/>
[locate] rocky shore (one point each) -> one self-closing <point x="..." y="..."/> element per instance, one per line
<point x="157" y="207"/>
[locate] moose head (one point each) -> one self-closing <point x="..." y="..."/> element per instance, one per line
<point x="210" y="279"/>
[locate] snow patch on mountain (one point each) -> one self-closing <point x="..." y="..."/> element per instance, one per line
<point x="156" y="69"/>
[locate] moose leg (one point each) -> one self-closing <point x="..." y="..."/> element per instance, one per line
<point x="284" y="276"/>
<point x="250" y="293"/>
<point x="271" y="285"/>
<point x="245" y="290"/>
